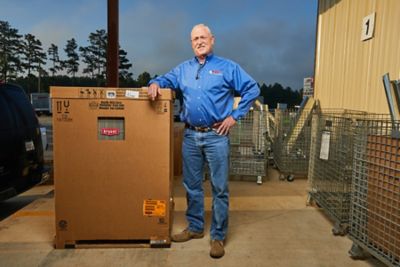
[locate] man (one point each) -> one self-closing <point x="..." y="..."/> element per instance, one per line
<point x="208" y="84"/>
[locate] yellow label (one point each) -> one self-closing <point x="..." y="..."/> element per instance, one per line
<point x="154" y="208"/>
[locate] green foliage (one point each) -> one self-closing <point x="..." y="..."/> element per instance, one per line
<point x="55" y="59"/>
<point x="95" y="55"/>
<point x="33" y="57"/>
<point x="274" y="94"/>
<point x="10" y="47"/>
<point x="143" y="79"/>
<point x="71" y="64"/>
<point x="124" y="66"/>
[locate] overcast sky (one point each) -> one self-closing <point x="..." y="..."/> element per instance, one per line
<point x="273" y="40"/>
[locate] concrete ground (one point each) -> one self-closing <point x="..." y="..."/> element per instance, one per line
<point x="270" y="225"/>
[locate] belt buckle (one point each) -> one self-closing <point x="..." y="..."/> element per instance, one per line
<point x="201" y="129"/>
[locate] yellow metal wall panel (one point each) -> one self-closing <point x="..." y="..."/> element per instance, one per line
<point x="348" y="71"/>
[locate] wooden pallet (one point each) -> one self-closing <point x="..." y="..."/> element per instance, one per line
<point x="131" y="243"/>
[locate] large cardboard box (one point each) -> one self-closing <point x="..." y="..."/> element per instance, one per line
<point x="113" y="160"/>
<point x="383" y="195"/>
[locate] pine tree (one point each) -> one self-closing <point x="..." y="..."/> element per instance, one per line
<point x="124" y="66"/>
<point x="10" y="49"/>
<point x="54" y="58"/>
<point x="143" y="79"/>
<point x="95" y="55"/>
<point x="72" y="62"/>
<point x="33" y="55"/>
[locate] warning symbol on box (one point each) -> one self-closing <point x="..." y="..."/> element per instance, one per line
<point x="154" y="208"/>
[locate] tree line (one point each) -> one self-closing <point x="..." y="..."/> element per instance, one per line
<point x="276" y="93"/>
<point x="23" y="61"/>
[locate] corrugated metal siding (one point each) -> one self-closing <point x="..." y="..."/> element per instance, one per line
<point x="348" y="71"/>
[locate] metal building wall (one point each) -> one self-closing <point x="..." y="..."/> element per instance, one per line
<point x="348" y="71"/>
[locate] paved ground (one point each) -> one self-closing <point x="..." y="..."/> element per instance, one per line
<point x="270" y="225"/>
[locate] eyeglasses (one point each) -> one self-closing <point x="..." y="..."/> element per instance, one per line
<point x="200" y="38"/>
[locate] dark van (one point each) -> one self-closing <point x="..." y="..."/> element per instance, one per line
<point x="21" y="151"/>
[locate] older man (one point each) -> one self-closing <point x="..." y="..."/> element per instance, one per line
<point x="208" y="84"/>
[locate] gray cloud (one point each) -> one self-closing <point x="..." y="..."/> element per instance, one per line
<point x="155" y="43"/>
<point x="270" y="49"/>
<point x="273" y="40"/>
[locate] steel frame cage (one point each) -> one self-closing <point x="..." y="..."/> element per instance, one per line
<point x="375" y="202"/>
<point x="291" y="145"/>
<point x="249" y="144"/>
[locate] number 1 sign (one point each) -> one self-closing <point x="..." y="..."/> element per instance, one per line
<point x="367" y="31"/>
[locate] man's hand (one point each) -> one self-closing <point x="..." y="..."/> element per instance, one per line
<point x="153" y="91"/>
<point x="225" y="126"/>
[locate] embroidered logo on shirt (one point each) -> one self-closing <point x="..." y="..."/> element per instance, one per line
<point x="216" y="72"/>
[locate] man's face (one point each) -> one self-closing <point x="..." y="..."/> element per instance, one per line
<point x="202" y="42"/>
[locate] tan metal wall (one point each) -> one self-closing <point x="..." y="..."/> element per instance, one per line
<point x="348" y="71"/>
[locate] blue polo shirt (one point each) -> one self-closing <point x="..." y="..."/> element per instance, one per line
<point x="208" y="89"/>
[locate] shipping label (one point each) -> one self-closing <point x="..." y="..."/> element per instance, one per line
<point x="132" y="94"/>
<point x="154" y="208"/>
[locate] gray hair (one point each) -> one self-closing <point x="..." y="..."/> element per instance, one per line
<point x="203" y="26"/>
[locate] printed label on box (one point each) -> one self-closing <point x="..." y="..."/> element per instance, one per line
<point x="115" y="105"/>
<point x="154" y="208"/>
<point x="132" y="94"/>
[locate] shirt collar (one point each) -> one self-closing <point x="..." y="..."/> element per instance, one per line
<point x="208" y="57"/>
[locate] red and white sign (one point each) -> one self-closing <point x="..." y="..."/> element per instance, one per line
<point x="110" y="131"/>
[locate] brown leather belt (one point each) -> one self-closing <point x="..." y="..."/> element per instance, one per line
<point x="198" y="129"/>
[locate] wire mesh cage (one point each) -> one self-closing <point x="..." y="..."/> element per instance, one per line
<point x="375" y="205"/>
<point x="291" y="144"/>
<point x="250" y="145"/>
<point x="331" y="163"/>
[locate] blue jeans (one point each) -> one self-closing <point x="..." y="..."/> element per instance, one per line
<point x="199" y="148"/>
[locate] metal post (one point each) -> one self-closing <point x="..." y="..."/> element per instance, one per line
<point x="112" y="47"/>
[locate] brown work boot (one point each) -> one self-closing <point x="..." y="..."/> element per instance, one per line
<point x="217" y="249"/>
<point x="186" y="235"/>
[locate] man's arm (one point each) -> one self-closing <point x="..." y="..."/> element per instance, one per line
<point x="248" y="89"/>
<point x="169" y="80"/>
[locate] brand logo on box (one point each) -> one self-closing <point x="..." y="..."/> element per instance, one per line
<point x="111" y="94"/>
<point x="93" y="105"/>
<point x="110" y="131"/>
